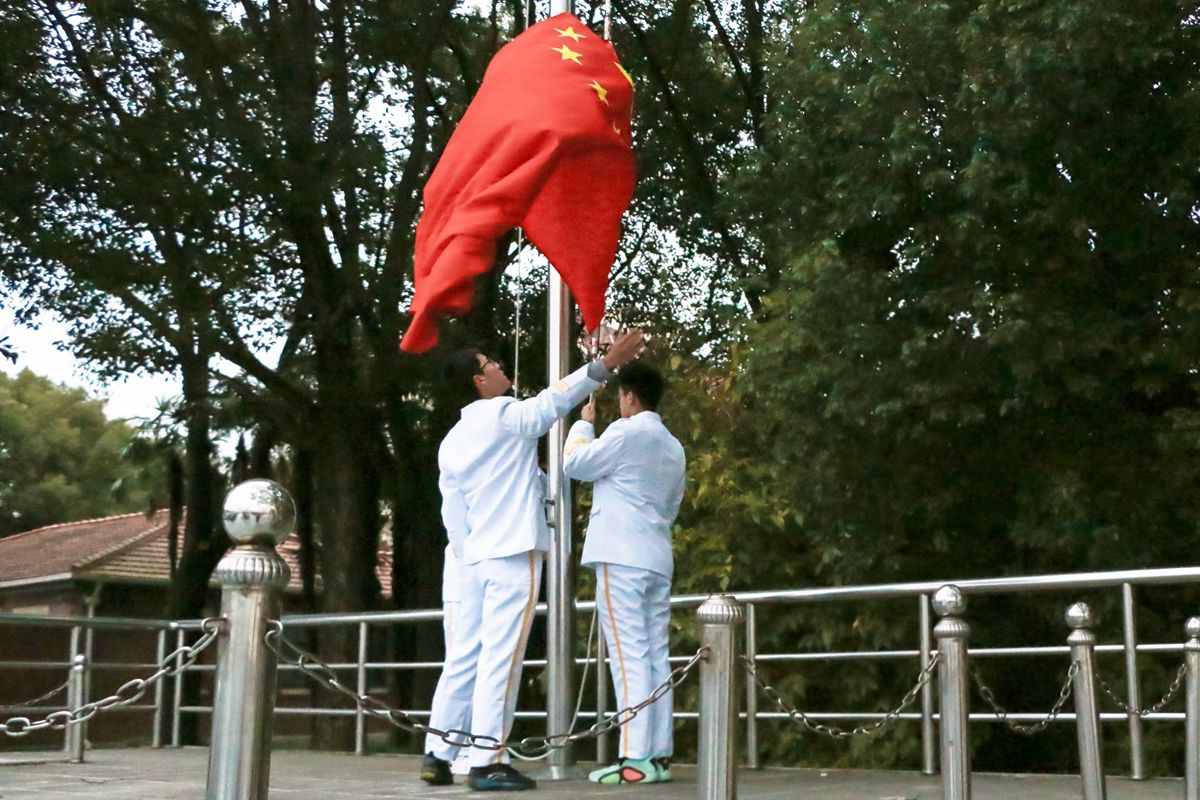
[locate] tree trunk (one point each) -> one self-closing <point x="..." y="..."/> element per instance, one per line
<point x="203" y="541"/>
<point x="418" y="540"/>
<point x="347" y="482"/>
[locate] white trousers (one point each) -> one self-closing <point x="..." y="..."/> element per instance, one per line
<point x="635" y="615"/>
<point x="477" y="691"/>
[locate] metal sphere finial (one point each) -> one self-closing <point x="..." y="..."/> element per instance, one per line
<point x="949" y="601"/>
<point x="1079" y="616"/>
<point x="1192" y="627"/>
<point x="258" y="511"/>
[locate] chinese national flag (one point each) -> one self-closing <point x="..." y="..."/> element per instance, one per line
<point x="545" y="146"/>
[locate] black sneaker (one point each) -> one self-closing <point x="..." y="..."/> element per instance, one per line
<point x="436" y="771"/>
<point x="498" y="778"/>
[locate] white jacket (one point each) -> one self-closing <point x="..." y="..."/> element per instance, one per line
<point x="493" y="493"/>
<point x="638" y="469"/>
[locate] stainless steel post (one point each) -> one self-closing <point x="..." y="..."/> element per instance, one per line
<point x="76" y="697"/>
<point x="1191" y="653"/>
<point x="928" y="734"/>
<point x="951" y="633"/>
<point x="560" y="587"/>
<point x="258" y="515"/>
<point x="160" y="652"/>
<point x="751" y="691"/>
<point x="716" y="770"/>
<point x="1133" y="696"/>
<point x="73" y="650"/>
<point x="1087" y="720"/>
<point x="360" y="718"/>
<point x="177" y="694"/>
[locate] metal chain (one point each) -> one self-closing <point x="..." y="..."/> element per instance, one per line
<point x="587" y="662"/>
<point x="1180" y="674"/>
<point x="1017" y="727"/>
<point x="126" y="694"/>
<point x="536" y="747"/>
<point x="531" y="748"/>
<point x="39" y="698"/>
<point x="835" y="732"/>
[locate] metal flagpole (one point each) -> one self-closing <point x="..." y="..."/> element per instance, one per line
<point x="560" y="591"/>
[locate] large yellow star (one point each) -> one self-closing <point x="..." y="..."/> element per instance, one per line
<point x="628" y="77"/>
<point x="601" y="92"/>
<point x="567" y="54"/>
<point x="569" y="32"/>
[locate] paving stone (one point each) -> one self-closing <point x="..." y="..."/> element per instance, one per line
<point x="168" y="774"/>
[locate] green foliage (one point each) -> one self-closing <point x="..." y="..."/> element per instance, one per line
<point x="979" y="356"/>
<point x="985" y="330"/>
<point x="60" y="459"/>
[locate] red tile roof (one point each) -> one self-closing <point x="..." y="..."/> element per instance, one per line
<point x="63" y="549"/>
<point x="131" y="548"/>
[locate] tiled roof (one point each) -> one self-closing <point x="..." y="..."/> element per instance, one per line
<point x="59" y="549"/>
<point x="130" y="548"/>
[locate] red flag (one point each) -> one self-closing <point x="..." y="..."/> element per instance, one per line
<point x="545" y="146"/>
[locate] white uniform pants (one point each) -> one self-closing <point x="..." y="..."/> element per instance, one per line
<point x="478" y="688"/>
<point x="635" y="614"/>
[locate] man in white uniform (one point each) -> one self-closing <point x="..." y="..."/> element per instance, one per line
<point x="451" y="616"/>
<point x="493" y="508"/>
<point x="638" y="468"/>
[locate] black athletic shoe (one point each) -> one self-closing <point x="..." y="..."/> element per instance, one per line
<point x="498" y="778"/>
<point x="436" y="771"/>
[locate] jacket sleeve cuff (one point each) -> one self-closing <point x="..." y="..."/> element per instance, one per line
<point x="598" y="372"/>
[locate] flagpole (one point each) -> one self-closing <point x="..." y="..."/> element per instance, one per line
<point x="560" y="589"/>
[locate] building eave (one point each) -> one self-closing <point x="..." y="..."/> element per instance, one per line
<point x="61" y="577"/>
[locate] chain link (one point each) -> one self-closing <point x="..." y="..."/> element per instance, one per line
<point x="1180" y="674"/>
<point x="531" y="748"/>
<point x="835" y="732"/>
<point x="534" y="747"/>
<point x="128" y="693"/>
<point x="40" y="698"/>
<point x="1002" y="713"/>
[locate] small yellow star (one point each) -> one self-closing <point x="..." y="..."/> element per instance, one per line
<point x="569" y="32"/>
<point x="601" y="92"/>
<point x="628" y="77"/>
<point x="567" y="54"/>
<point x="616" y="130"/>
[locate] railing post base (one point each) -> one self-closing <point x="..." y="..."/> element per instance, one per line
<point x="716" y="773"/>
<point x="1087" y="720"/>
<point x="258" y="515"/>
<point x="951" y="633"/>
<point x="1191" y="654"/>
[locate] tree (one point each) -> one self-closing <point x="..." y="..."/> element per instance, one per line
<point x="61" y="460"/>
<point x="981" y="354"/>
<point x="228" y="178"/>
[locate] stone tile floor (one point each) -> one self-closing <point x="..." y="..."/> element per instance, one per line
<point x="145" y="774"/>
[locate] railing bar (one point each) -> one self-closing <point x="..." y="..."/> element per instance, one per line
<point x="929" y="743"/>
<point x="1137" y="761"/>
<point x="1082" y="580"/>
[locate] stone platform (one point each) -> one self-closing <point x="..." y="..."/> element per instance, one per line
<point x="145" y="774"/>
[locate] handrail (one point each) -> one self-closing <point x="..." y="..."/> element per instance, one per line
<point x="1050" y="582"/>
<point x="918" y="590"/>
<point x="8" y="618"/>
<point x="1030" y="583"/>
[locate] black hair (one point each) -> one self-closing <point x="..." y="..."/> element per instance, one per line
<point x="642" y="380"/>
<point x="458" y="376"/>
